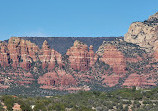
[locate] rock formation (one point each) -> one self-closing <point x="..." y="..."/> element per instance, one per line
<point x="153" y="18"/>
<point x="111" y="80"/>
<point x="112" y="56"/>
<point x="22" y="53"/>
<point x="138" y="80"/>
<point x="144" y="34"/>
<point x="4" y="54"/>
<point x="56" y="59"/>
<point x="46" y="54"/>
<point x="14" y="51"/>
<point x="58" y="78"/>
<point x="80" y="58"/>
<point x="24" y="59"/>
<point x="49" y="57"/>
<point x="116" y="63"/>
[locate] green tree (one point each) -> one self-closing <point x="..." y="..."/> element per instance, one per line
<point x="25" y="107"/>
<point x="40" y="107"/>
<point x="59" y="107"/>
<point x="8" y="101"/>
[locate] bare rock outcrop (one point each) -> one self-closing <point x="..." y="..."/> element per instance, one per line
<point x="138" y="80"/>
<point x="80" y="58"/>
<point x="49" y="57"/>
<point x="58" y="78"/>
<point x="111" y="80"/>
<point x="4" y="54"/>
<point x="113" y="57"/>
<point x="21" y="52"/>
<point x="153" y="17"/>
<point x="144" y="34"/>
<point x="45" y="54"/>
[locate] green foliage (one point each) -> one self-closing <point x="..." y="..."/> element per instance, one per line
<point x="39" y="106"/>
<point x="86" y="100"/>
<point x="136" y="104"/>
<point x="1" y="107"/>
<point x="59" y="107"/>
<point x="8" y="101"/>
<point x="81" y="108"/>
<point x="25" y="106"/>
<point x="147" y="102"/>
<point x="120" y="107"/>
<point x="126" y="108"/>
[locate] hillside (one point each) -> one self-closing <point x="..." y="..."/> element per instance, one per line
<point x="53" y="65"/>
<point x="118" y="100"/>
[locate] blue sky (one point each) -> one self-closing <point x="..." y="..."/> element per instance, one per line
<point x="71" y="18"/>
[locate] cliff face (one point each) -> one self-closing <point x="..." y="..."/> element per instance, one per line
<point x="80" y="58"/>
<point x="22" y="53"/>
<point x="138" y="80"/>
<point x="145" y="34"/>
<point x="57" y="79"/>
<point x="115" y="58"/>
<point x="4" y="55"/>
<point x="153" y="18"/>
<point x="129" y="62"/>
<point x="49" y="57"/>
<point x="26" y="62"/>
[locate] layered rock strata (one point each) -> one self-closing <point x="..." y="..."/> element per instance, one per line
<point x="80" y="58"/>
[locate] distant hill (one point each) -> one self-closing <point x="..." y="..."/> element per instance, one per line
<point x="49" y="65"/>
<point x="61" y="44"/>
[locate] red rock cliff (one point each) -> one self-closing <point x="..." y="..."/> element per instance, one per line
<point x="114" y="58"/>
<point x="21" y="53"/>
<point x="138" y="80"/>
<point x="56" y="78"/>
<point x="4" y="55"/>
<point x="50" y="57"/>
<point x="79" y="56"/>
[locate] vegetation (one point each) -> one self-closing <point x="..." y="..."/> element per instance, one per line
<point x="118" y="100"/>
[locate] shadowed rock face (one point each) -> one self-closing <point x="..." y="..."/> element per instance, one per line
<point x="4" y="57"/>
<point x="115" y="58"/>
<point x="22" y="53"/>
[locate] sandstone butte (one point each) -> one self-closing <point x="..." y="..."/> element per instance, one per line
<point x="49" y="57"/>
<point x="114" y="58"/>
<point x="80" y="58"/>
<point x="21" y="53"/>
<point x="81" y="64"/>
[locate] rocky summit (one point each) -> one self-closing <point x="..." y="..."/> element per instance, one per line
<point x="144" y="34"/>
<point x="46" y="66"/>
